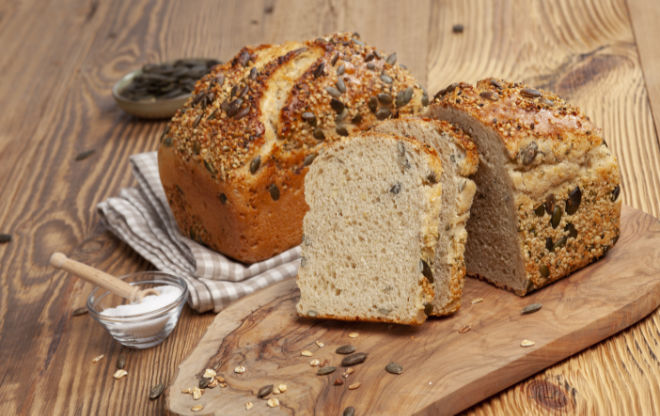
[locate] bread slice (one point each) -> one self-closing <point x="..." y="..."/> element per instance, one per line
<point x="548" y="187"/>
<point x="459" y="160"/>
<point x="371" y="230"/>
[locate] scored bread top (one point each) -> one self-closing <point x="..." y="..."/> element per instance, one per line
<point x="271" y="105"/>
<point x="535" y="126"/>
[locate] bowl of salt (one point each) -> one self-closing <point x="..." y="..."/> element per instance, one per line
<point x="144" y="322"/>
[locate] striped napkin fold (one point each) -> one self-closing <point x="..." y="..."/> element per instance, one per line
<point x="141" y="217"/>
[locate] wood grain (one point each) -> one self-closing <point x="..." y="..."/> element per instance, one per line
<point x="60" y="60"/>
<point x="446" y="371"/>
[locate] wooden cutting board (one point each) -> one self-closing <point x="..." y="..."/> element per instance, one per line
<point x="446" y="369"/>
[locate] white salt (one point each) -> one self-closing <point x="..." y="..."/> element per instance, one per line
<point x="166" y="296"/>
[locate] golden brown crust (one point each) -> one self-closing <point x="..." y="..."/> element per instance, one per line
<point x="231" y="139"/>
<point x="520" y="115"/>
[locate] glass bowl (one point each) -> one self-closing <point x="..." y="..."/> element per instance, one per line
<point x="139" y="329"/>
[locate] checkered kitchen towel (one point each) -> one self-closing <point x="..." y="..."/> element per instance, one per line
<point x="141" y="217"/>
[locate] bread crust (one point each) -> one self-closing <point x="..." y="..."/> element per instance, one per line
<point x="245" y="136"/>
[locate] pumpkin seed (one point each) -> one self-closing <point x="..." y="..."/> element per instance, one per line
<point x="209" y="166"/>
<point x="404" y="97"/>
<point x="197" y="120"/>
<point x="457" y="28"/>
<point x="385" y="78"/>
<point x="384" y="98"/>
<point x="561" y="242"/>
<point x="357" y="119"/>
<point x="391" y="59"/>
<point x="121" y="361"/>
<point x="342" y="131"/>
<point x="531" y="308"/>
<point x="373" y="104"/>
<point x="213" y="115"/>
<point x="528" y="153"/>
<point x="340" y="85"/>
<point x="349" y="411"/>
<point x="340" y="69"/>
<point x="495" y="83"/>
<point x="550" y="204"/>
<point x="615" y="193"/>
<point x="354" y="359"/>
<point x="156" y="391"/>
<point x="318" y="71"/>
<point x="337" y="105"/>
<point x="318" y="134"/>
<point x="265" y="391"/>
<point x="428" y="309"/>
<point x="333" y="91"/>
<point x="544" y="271"/>
<point x="223" y="198"/>
<point x="254" y="165"/>
<point x="345" y="349"/>
<point x="324" y="371"/>
<point x="274" y="191"/>
<point x="76" y="312"/>
<point x="383" y="113"/>
<point x="426" y="270"/>
<point x="530" y="93"/>
<point x="309" y="159"/>
<point x="204" y="382"/>
<point x="371" y="66"/>
<point x="556" y="216"/>
<point x="573" y="201"/>
<point x="490" y="95"/>
<point x="396" y="188"/>
<point x="572" y="231"/>
<point x="539" y="211"/>
<point x="394" y="368"/>
<point x="451" y="87"/>
<point x="84" y="155"/>
<point x="549" y="245"/>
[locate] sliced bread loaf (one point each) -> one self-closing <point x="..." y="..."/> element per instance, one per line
<point x="459" y="160"/>
<point x="371" y="230"/>
<point x="547" y="199"/>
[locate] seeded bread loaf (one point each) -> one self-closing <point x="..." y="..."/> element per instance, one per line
<point x="371" y="230"/>
<point x="459" y="160"/>
<point x="547" y="199"/>
<point x="233" y="159"/>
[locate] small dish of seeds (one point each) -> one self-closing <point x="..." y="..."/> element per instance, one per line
<point x="158" y="90"/>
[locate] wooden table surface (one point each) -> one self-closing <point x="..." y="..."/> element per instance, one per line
<point x="61" y="58"/>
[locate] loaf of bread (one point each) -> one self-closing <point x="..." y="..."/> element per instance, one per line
<point x="371" y="232"/>
<point x="459" y="160"/>
<point x="548" y="187"/>
<point x="233" y="159"/>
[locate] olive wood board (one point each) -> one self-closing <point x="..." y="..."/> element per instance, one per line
<point x="446" y="368"/>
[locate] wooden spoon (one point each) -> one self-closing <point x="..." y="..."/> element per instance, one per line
<point x="100" y="278"/>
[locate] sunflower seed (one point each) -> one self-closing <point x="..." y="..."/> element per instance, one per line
<point x="371" y="66"/>
<point x="76" y="312"/>
<point x="495" y="83"/>
<point x="243" y="91"/>
<point x="340" y="69"/>
<point x="556" y="216"/>
<point x="465" y="329"/>
<point x="426" y="270"/>
<point x="309" y="117"/>
<point x="340" y="85"/>
<point x="357" y="119"/>
<point x="544" y="271"/>
<point x="384" y="98"/>
<point x="385" y="78"/>
<point x="337" y="105"/>
<point x="309" y="159"/>
<point x="253" y="73"/>
<point x="333" y="91"/>
<point x="391" y="59"/>
<point x="354" y="359"/>
<point x="404" y="97"/>
<point x="254" y="165"/>
<point x="156" y="391"/>
<point x="457" y="28"/>
<point x="121" y="361"/>
<point x="318" y="71"/>
<point x="490" y="95"/>
<point x="244" y="58"/>
<point x="383" y="113"/>
<point x="242" y="112"/>
<point x="84" y="155"/>
<point x="265" y="391"/>
<point x="425" y="98"/>
<point x="528" y="153"/>
<point x="530" y="93"/>
<point x="349" y="411"/>
<point x="325" y="370"/>
<point x="573" y="201"/>
<point x="345" y="349"/>
<point x="615" y="193"/>
<point x="560" y="243"/>
<point x="531" y="308"/>
<point x="451" y="87"/>
<point x="373" y="104"/>
<point x="394" y="368"/>
<point x="234" y="106"/>
<point x="209" y="166"/>
<point x="197" y="120"/>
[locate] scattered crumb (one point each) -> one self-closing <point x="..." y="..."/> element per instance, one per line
<point x="457" y="28"/>
<point x="354" y="386"/>
<point x="98" y="358"/>
<point x="186" y="391"/>
<point x="319" y="344"/>
<point x="315" y="363"/>
<point x="249" y="405"/>
<point x="350" y="370"/>
<point x="276" y="390"/>
<point x="527" y="343"/>
<point x="197" y="408"/>
<point x="119" y="374"/>
<point x="197" y="393"/>
<point x="338" y="381"/>
<point x="465" y="329"/>
<point x="273" y="402"/>
<point x="306" y="353"/>
<point x="353" y="335"/>
<point x="282" y="387"/>
<point x="213" y="383"/>
<point x="477" y="300"/>
<point x="240" y="369"/>
<point x="220" y="379"/>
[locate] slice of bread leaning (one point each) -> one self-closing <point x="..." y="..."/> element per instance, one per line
<point x="371" y="232"/>
<point x="459" y="160"/>
<point x="548" y="187"/>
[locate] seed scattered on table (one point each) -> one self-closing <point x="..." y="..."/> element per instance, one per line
<point x="98" y="358"/>
<point x="5" y="238"/>
<point x="80" y="311"/>
<point x="353" y="335"/>
<point x="325" y="370"/>
<point x="121" y="361"/>
<point x="156" y="391"/>
<point x="204" y="382"/>
<point x="119" y="374"/>
<point x="477" y="300"/>
<point x="527" y="343"/>
<point x="531" y="308"/>
<point x="345" y="349"/>
<point x="249" y="405"/>
<point x="315" y="363"/>
<point x="265" y="391"/>
<point x="354" y="359"/>
<point x="84" y="155"/>
<point x="349" y="411"/>
<point x="306" y="353"/>
<point x="354" y="386"/>
<point x="197" y="408"/>
<point x="240" y="369"/>
<point x="273" y="402"/>
<point x="465" y="329"/>
<point x="394" y="368"/>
